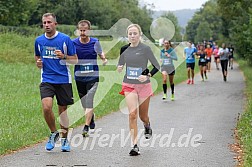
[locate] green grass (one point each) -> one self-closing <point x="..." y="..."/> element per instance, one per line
<point x="245" y="123"/>
<point x="16" y="49"/>
<point x="22" y="123"/>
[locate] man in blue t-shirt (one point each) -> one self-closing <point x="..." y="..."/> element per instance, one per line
<point x="53" y="51"/>
<point x="189" y="55"/>
<point x="86" y="73"/>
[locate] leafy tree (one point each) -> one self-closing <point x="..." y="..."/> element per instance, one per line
<point x="101" y="13"/>
<point x="203" y="32"/>
<point x="207" y="14"/>
<point x="15" y="12"/>
<point x="169" y="15"/>
<point x="236" y="16"/>
<point x="192" y="27"/>
<point x="41" y="8"/>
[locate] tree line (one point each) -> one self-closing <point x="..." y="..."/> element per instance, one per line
<point x="226" y="21"/>
<point x="102" y="13"/>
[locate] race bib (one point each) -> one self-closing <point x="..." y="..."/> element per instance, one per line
<point x="49" y="52"/>
<point x="86" y="68"/>
<point x="166" y="61"/>
<point x="133" y="72"/>
<point x="202" y="60"/>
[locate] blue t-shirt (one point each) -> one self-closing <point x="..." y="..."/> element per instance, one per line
<point x="168" y="61"/>
<point x="190" y="58"/>
<point x="87" y="68"/>
<point x="54" y="70"/>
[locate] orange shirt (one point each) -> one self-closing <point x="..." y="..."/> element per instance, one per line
<point x="209" y="52"/>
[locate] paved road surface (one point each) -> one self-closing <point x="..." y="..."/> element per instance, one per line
<point x="194" y="130"/>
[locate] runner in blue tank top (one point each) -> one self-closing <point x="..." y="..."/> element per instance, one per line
<point x="86" y="73"/>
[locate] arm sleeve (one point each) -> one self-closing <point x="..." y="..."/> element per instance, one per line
<point x="153" y="61"/>
<point x="37" y="49"/>
<point x="121" y="58"/>
<point x="71" y="50"/>
<point x="174" y="55"/>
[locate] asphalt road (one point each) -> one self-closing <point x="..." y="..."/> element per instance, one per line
<point x="194" y="130"/>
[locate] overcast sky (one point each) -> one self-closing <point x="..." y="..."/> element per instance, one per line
<point x="176" y="4"/>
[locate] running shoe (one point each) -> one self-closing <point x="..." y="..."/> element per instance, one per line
<point x="134" y="151"/>
<point x="147" y="131"/>
<point x="92" y="123"/>
<point x="164" y="96"/>
<point x="65" y="147"/>
<point x="202" y="79"/>
<point x="192" y="82"/>
<point x="85" y="131"/>
<point x="232" y="68"/>
<point x="188" y="81"/>
<point x="205" y="76"/>
<point x="172" y="97"/>
<point x="53" y="138"/>
<point x="225" y="78"/>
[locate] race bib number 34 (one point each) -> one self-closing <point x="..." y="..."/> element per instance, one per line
<point x="133" y="72"/>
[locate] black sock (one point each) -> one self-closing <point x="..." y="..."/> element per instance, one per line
<point x="165" y="88"/>
<point x="86" y="127"/>
<point x="172" y="88"/>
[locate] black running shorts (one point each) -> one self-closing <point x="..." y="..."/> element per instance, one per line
<point x="190" y="65"/>
<point x="170" y="70"/>
<point x="63" y="92"/>
<point x="86" y="91"/>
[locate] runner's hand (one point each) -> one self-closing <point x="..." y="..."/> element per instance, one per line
<point x="120" y="68"/>
<point x="167" y="54"/>
<point x="143" y="78"/>
<point x="59" y="54"/>
<point x="104" y="61"/>
<point x="39" y="63"/>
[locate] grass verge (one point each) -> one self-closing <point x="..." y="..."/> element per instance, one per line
<point x="244" y="127"/>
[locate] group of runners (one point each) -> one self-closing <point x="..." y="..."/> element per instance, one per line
<point x="54" y="51"/>
<point x="204" y="52"/>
